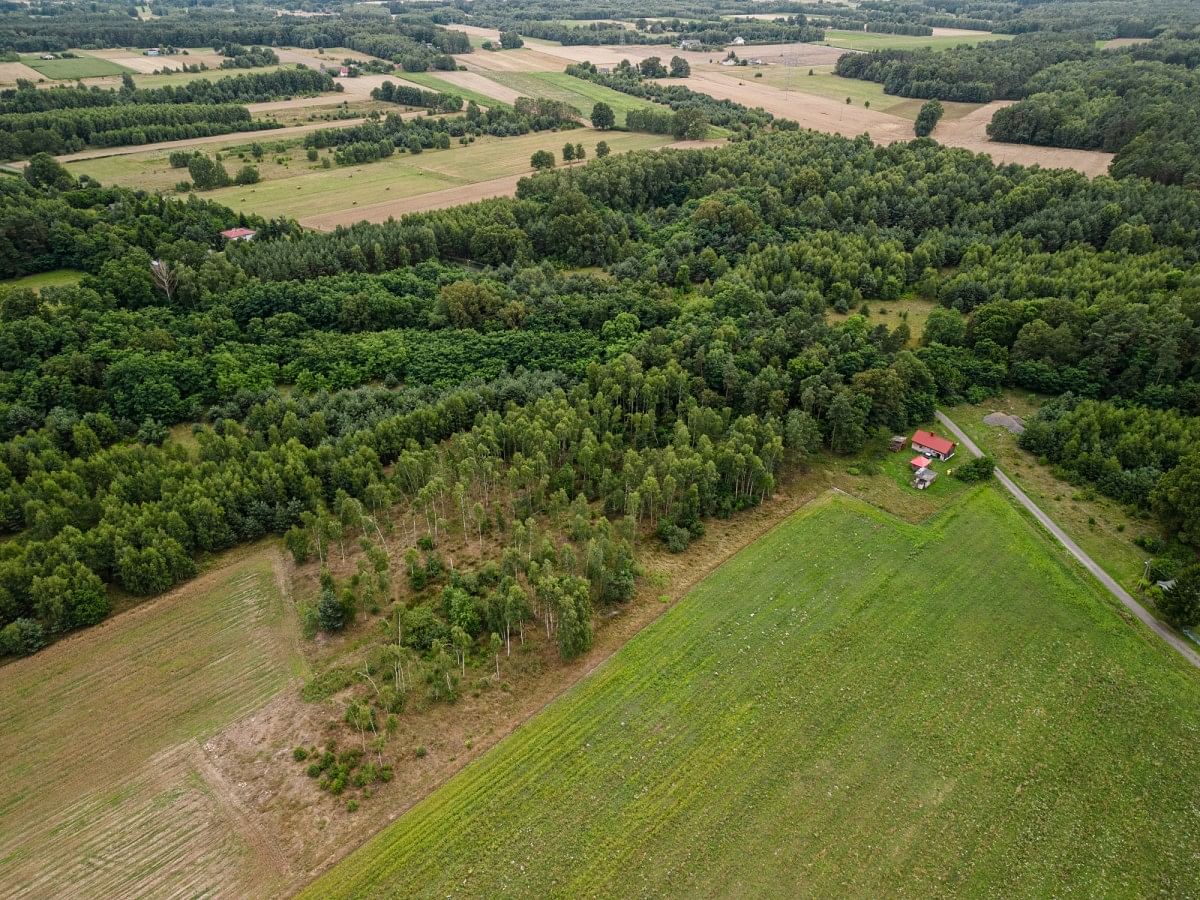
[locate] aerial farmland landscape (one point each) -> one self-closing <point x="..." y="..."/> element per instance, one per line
<point x="539" y="449"/>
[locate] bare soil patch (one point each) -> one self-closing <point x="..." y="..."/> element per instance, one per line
<point x="147" y="65"/>
<point x="523" y="60"/>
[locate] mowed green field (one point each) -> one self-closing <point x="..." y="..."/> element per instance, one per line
<point x="852" y="706"/>
<point x="79" y="67"/>
<point x="865" y="40"/>
<point x="104" y="790"/>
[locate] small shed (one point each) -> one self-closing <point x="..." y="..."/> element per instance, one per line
<point x="919" y="463"/>
<point x="152" y="51"/>
<point x="924" y="479"/>
<point x="739" y="41"/>
<point x="238" y="234"/>
<point x="896" y="444"/>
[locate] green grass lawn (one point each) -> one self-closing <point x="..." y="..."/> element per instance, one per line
<point x="56" y="278"/>
<point x="70" y="69"/>
<point x="852" y="706"/>
<point x="863" y="40"/>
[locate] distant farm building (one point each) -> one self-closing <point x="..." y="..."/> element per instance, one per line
<point x="343" y="72"/>
<point x="238" y="234"/>
<point x="932" y="445"/>
<point x="48" y="56"/>
<point x="739" y="41"/>
<point x="689" y="44"/>
<point x="896" y="444"/>
<point x="924" y="479"/>
<point x="152" y="51"/>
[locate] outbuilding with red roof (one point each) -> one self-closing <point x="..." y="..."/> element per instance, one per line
<point x="238" y="234"/>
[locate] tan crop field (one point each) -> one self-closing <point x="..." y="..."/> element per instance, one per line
<point x="107" y="788"/>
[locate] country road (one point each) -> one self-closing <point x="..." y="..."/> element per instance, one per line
<point x="1075" y="550"/>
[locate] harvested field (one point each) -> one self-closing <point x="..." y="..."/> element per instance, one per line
<point x="842" y="709"/>
<point x="523" y="60"/>
<point x="576" y="92"/>
<point x="970" y="133"/>
<point x="819" y="113"/>
<point x="106" y="789"/>
<point x="10" y="72"/>
<point x="796" y="54"/>
<point x="479" y="84"/>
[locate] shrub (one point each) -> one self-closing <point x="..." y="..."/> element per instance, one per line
<point x="22" y="637"/>
<point x="979" y="469"/>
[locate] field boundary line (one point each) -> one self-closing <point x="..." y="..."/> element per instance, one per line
<point x="1122" y="595"/>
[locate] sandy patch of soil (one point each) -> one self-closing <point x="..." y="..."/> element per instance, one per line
<point x="147" y="65"/>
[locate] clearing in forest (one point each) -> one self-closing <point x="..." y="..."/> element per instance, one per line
<point x="77" y="66"/>
<point x="107" y="789"/>
<point x="853" y="705"/>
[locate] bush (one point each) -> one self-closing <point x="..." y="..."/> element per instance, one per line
<point x="979" y="469"/>
<point x="22" y="637"/>
<point x="247" y="175"/>
<point x="543" y="159"/>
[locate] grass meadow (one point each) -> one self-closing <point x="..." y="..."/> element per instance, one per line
<point x="299" y="188"/>
<point x="54" y="278"/>
<point x="852" y="706"/>
<point x="576" y="92"/>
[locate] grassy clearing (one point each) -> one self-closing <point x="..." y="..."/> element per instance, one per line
<point x="582" y="95"/>
<point x="56" y="278"/>
<point x="175" y="79"/>
<point x="913" y="310"/>
<point x="70" y="69"/>
<point x="1101" y="526"/>
<point x="852" y="706"/>
<point x="102" y="792"/>
<point x="863" y="40"/>
<point x="297" y="187"/>
<point x="433" y="83"/>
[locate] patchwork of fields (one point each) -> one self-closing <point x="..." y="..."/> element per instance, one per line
<point x="845" y="708"/>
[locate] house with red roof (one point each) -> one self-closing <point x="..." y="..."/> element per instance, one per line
<point x="933" y="446"/>
<point x="238" y="234"/>
<point x="919" y="462"/>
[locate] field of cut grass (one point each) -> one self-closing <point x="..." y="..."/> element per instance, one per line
<point x="175" y="79"/>
<point x="1098" y="524"/>
<point x="56" y="278"/>
<point x="582" y="95"/>
<point x="863" y="40"/>
<point x="69" y="69"/>
<point x="105" y="788"/>
<point x="852" y="706"/>
<point x="913" y="310"/>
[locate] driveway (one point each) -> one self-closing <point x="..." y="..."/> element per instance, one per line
<point x="1075" y="550"/>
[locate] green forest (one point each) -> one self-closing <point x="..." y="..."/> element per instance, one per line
<point x="326" y="376"/>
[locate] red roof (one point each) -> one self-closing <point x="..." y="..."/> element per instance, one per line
<point x="933" y="442"/>
<point x="918" y="462"/>
<point x="235" y="233"/>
